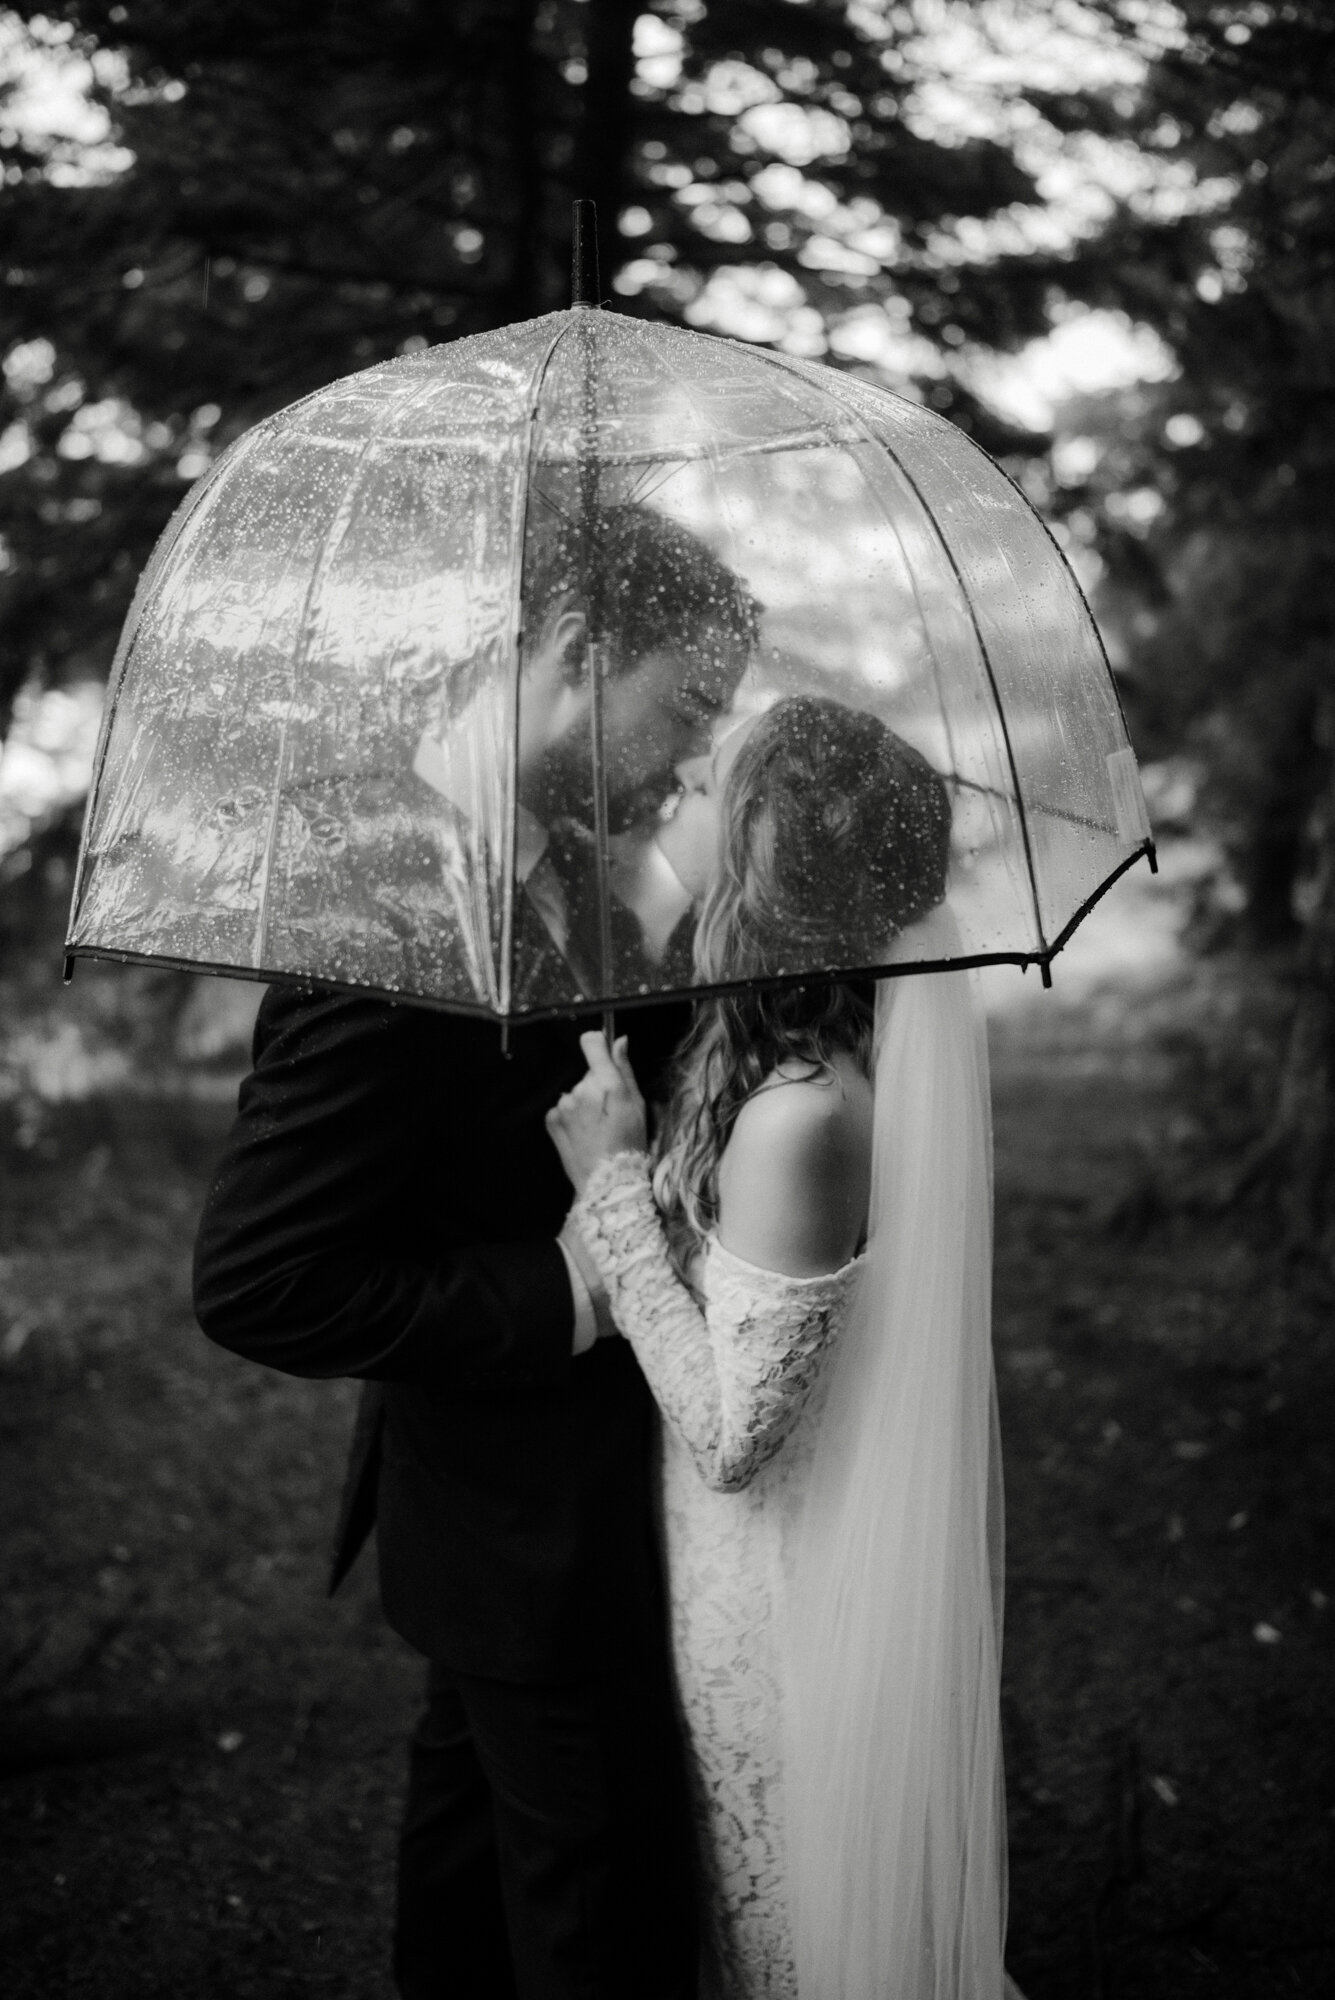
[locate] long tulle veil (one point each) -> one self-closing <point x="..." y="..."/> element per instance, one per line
<point x="894" y="1804"/>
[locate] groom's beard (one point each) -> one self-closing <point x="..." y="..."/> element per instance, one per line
<point x="562" y="788"/>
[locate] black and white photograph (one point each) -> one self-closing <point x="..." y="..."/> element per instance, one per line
<point x="667" y="999"/>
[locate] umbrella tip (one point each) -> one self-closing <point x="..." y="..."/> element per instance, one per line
<point x="584" y="284"/>
<point x="67" y="970"/>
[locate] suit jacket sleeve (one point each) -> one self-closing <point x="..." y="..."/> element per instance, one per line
<point x="304" y="1259"/>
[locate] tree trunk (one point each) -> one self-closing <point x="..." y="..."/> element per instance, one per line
<point x="601" y="165"/>
<point x="1294" y="1161"/>
<point x="530" y="287"/>
<point x="1279" y="825"/>
<point x="1305" y="1113"/>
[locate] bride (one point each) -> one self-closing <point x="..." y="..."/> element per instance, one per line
<point x="804" y="1272"/>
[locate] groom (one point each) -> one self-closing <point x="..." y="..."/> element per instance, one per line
<point x="388" y="1207"/>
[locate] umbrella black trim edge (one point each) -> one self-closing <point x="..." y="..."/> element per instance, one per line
<point x="570" y="1010"/>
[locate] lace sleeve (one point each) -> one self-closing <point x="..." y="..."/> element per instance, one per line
<point x="731" y="1379"/>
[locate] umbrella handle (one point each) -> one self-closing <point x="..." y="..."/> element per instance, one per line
<point x="609" y="1024"/>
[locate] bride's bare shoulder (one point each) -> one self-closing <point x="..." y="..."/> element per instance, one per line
<point x="795" y="1174"/>
<point x="798" y="1108"/>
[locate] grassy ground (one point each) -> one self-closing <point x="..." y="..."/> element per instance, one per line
<point x="202" y="1757"/>
<point x="1165" y="1382"/>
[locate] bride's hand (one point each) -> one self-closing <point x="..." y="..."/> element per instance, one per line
<point x="602" y="1115"/>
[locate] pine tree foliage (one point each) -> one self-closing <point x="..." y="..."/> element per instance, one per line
<point x="1213" y="488"/>
<point x="313" y="186"/>
<point x="809" y="72"/>
<point x="1214" y="492"/>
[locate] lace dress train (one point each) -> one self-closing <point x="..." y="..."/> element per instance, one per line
<point x="738" y="1378"/>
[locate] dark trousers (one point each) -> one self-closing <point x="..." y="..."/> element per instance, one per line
<point x="545" y="1852"/>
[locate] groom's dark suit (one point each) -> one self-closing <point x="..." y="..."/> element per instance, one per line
<point x="387" y="1208"/>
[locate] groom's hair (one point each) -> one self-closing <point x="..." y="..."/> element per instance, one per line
<point x="642" y="580"/>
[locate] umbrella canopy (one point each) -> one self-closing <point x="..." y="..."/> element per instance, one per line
<point x="418" y="667"/>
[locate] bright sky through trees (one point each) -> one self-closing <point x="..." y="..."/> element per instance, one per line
<point x="974" y="61"/>
<point x="971" y="65"/>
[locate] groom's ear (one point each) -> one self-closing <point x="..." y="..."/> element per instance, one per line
<point x="553" y="693"/>
<point x="558" y="654"/>
<point x="571" y="640"/>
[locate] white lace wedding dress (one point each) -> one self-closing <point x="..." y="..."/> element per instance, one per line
<point x="738" y="1378"/>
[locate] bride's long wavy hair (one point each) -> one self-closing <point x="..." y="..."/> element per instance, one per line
<point x="835" y="836"/>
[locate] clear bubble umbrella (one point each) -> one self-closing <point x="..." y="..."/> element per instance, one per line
<point x="416" y="668"/>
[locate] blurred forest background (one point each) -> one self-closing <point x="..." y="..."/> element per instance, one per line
<point x="1100" y="235"/>
<point x="248" y="198"/>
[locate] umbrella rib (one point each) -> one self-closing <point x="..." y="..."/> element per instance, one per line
<point x="1056" y="812"/>
<point x="650" y="455"/>
<point x="1020" y="806"/>
<point x="855" y="428"/>
<point x="1063" y="813"/>
<point x="1079" y="587"/>
<point x="324" y="562"/>
<point x="329" y="547"/>
<point x="162" y="555"/>
<point x="654" y="478"/>
<point x="526" y="496"/>
<point x="791" y="366"/>
<point x="863" y="433"/>
<point x="477" y="1010"/>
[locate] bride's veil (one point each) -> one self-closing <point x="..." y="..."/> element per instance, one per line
<point x="894" y="1804"/>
